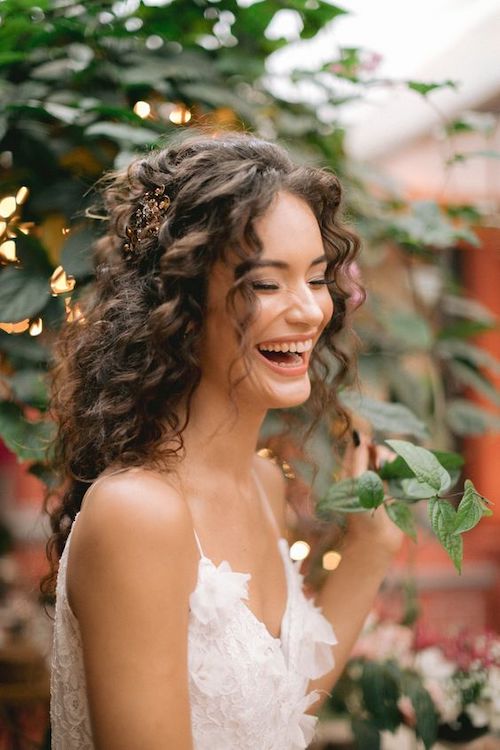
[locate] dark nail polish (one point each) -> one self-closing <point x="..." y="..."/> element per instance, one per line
<point x="356" y="439"/>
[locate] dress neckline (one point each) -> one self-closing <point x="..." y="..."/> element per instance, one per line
<point x="283" y="547"/>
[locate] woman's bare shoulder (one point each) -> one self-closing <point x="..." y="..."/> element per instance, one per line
<point x="135" y="515"/>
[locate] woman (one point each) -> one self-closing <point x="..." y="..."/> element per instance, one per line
<point x="222" y="282"/>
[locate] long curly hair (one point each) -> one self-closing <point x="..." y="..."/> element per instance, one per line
<point x="122" y="371"/>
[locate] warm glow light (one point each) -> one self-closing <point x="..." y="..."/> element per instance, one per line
<point x="65" y="231"/>
<point x="8" y="251"/>
<point x="299" y="550"/>
<point x="3" y="227"/>
<point x="331" y="560"/>
<point x="73" y="312"/>
<point x="36" y="327"/>
<point x="20" y="327"/>
<point x="22" y="195"/>
<point x="180" y="115"/>
<point x="60" y="283"/>
<point x="8" y="207"/>
<point x="143" y="109"/>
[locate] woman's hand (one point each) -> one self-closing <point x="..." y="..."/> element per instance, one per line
<point x="372" y="527"/>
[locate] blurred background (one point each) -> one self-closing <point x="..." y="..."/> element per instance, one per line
<point x="402" y="101"/>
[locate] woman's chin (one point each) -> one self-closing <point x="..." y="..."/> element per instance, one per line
<point x="293" y="395"/>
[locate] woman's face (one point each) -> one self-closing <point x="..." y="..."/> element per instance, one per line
<point x="293" y="307"/>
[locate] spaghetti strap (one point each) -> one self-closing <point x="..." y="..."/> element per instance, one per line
<point x="198" y="542"/>
<point x="266" y="503"/>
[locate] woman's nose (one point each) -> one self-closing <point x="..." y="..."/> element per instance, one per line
<point x="304" y="307"/>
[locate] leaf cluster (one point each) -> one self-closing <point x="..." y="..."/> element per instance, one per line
<point x="370" y="692"/>
<point x="415" y="474"/>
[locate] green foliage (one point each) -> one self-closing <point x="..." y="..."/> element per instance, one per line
<point x="370" y="490"/>
<point x="425" y="713"/>
<point x="369" y="692"/>
<point x="415" y="474"/>
<point x="443" y="518"/>
<point x="402" y="516"/>
<point x="471" y="509"/>
<point x="26" y="439"/>
<point x="424" y="465"/>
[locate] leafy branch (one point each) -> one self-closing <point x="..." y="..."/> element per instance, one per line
<point x="415" y="474"/>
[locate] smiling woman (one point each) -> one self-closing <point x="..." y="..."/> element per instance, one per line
<point x="222" y="281"/>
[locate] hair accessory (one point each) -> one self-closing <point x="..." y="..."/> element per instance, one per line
<point x="146" y="220"/>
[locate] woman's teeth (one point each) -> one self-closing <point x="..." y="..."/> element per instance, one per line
<point x="289" y="346"/>
<point x="289" y="354"/>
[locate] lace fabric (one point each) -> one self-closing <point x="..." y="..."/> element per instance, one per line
<point x="248" y="689"/>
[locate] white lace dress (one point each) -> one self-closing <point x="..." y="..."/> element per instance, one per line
<point x="248" y="689"/>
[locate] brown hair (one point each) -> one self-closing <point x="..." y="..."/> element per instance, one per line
<point x="121" y="373"/>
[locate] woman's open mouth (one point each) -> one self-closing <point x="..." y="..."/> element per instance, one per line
<point x="289" y="357"/>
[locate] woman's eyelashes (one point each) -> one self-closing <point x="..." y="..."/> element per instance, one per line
<point x="271" y="285"/>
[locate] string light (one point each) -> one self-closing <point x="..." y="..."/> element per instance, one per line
<point x="73" y="312"/>
<point x="331" y="560"/>
<point x="10" y="224"/>
<point x="22" y="195"/>
<point x="36" y="327"/>
<point x="180" y="115"/>
<point x="142" y="109"/>
<point x="299" y="550"/>
<point x="60" y="283"/>
<point x="8" y="251"/>
<point x="8" y="207"/>
<point x="20" y="327"/>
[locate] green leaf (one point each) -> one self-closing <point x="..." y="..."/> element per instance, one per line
<point x="341" y="497"/>
<point x="426" y="88"/>
<point x="76" y="256"/>
<point x="466" y="418"/>
<point x="396" y="469"/>
<point x="402" y="516"/>
<point x="471" y="509"/>
<point x="423" y="705"/>
<point x="23" y="350"/>
<point x="22" y="294"/>
<point x="385" y="417"/>
<point x="370" y="490"/>
<point x="471" y="309"/>
<point x="423" y="463"/>
<point x="366" y="735"/>
<point x="449" y="459"/>
<point x="417" y="490"/>
<point x="117" y="131"/>
<point x="28" y="440"/>
<point x="473" y="378"/>
<point x="29" y="386"/>
<point x="442" y="516"/>
<point x="380" y="695"/>
<point x="464" y="350"/>
<point x="408" y="329"/>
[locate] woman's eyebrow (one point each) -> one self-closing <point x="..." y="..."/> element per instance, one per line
<point x="281" y="263"/>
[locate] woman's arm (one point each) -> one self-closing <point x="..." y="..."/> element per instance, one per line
<point x="132" y="565"/>
<point x="367" y="549"/>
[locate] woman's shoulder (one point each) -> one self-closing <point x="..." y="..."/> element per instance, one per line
<point x="134" y="517"/>
<point x="134" y="495"/>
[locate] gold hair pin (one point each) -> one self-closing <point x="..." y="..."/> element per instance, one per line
<point x="147" y="218"/>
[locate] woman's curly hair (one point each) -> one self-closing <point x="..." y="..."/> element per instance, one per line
<point x="121" y="373"/>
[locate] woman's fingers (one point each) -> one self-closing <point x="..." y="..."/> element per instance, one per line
<point x="362" y="454"/>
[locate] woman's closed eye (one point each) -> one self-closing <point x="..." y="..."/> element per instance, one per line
<point x="271" y="285"/>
